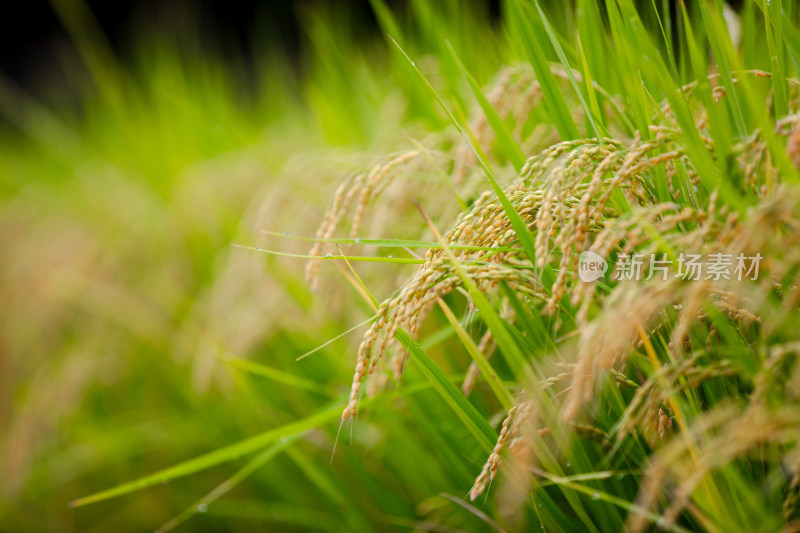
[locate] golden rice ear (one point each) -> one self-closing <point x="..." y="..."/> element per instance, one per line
<point x="361" y="188"/>
<point x="517" y="415"/>
<point x="414" y="301"/>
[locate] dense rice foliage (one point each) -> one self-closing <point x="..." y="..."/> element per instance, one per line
<point x="345" y="295"/>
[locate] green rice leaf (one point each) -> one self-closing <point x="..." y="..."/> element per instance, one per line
<point x="276" y="375"/>
<point x="494" y="381"/>
<point x="464" y="410"/>
<point x="590" y="115"/>
<point x="219" y="456"/>
<point x="229" y="484"/>
<point x="553" y="96"/>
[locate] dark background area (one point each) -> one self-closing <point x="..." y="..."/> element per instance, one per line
<point x="32" y="34"/>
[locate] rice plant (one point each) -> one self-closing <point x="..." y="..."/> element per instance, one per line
<point x="550" y="283"/>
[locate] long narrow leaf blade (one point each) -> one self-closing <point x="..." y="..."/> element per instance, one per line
<point x="465" y="411"/>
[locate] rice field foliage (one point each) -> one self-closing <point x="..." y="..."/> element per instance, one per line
<point x="345" y="295"/>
